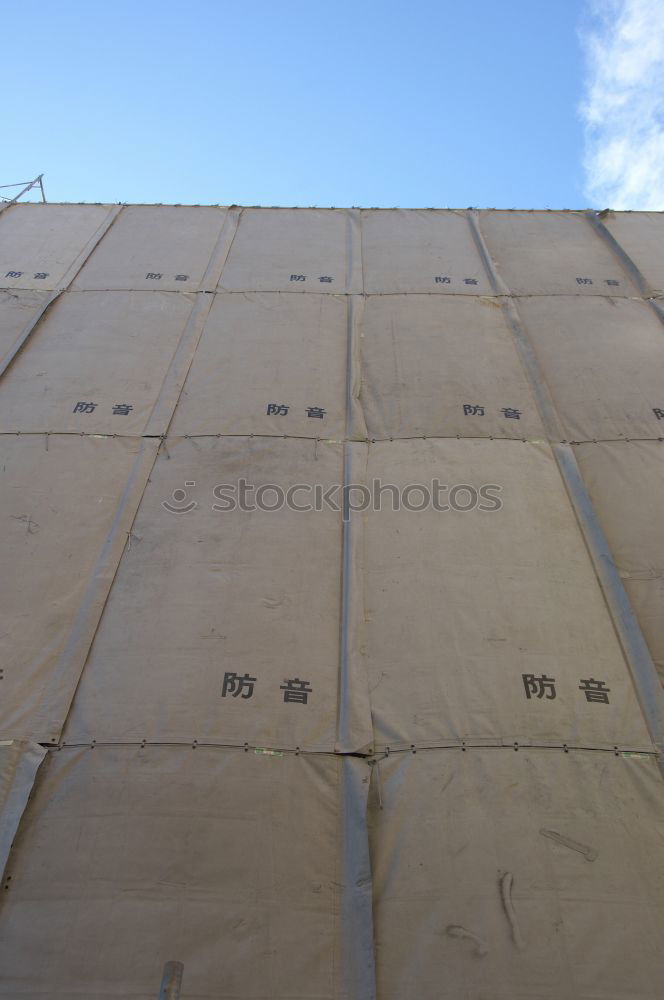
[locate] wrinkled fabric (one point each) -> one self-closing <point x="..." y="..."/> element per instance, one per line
<point x="552" y="253"/>
<point x="531" y="874"/>
<point x="150" y="248"/>
<point x="40" y="243"/>
<point x="19" y="761"/>
<point x="230" y="862"/>
<point x="639" y="234"/>
<point x="400" y="745"/>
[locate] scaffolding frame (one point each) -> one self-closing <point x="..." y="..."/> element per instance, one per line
<point x="25" y="187"/>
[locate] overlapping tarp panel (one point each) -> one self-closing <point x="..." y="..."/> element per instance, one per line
<point x="17" y="309"/>
<point x="295" y="250"/>
<point x="225" y="861"/>
<point x="155" y="247"/>
<point x="486" y="624"/>
<point x="626" y="484"/>
<point x="268" y="364"/>
<point x="603" y="360"/>
<point x="39" y="243"/>
<point x="223" y="624"/>
<point x="19" y="761"/>
<point x="533" y="875"/>
<point x="61" y="497"/>
<point x="420" y="251"/>
<point x="442" y="367"/>
<point x="641" y="236"/>
<point x="552" y="253"/>
<point x="95" y="363"/>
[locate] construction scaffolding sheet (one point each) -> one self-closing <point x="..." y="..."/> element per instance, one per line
<point x="332" y="606"/>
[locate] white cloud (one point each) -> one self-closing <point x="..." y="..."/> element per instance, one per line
<point x="623" y="109"/>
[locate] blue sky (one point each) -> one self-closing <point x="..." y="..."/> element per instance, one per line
<point x="365" y="103"/>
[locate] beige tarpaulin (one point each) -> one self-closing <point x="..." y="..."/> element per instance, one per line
<point x="67" y="505"/>
<point x="534" y="875"/>
<point x="552" y="253"/>
<point x="250" y="868"/>
<point x="442" y="367"/>
<point x="640" y="236"/>
<point x="420" y="251"/>
<point x="223" y="624"/>
<point x="95" y="363"/>
<point x="269" y="364"/>
<point x="155" y="248"/>
<point x="603" y="360"/>
<point x="626" y="483"/>
<point x="19" y="761"/>
<point x="213" y="682"/>
<point x="295" y="250"/>
<point x="40" y="243"/>
<point x="485" y="624"/>
<point x="17" y="309"/>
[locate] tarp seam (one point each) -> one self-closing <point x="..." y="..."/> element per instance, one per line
<point x="190" y="336"/>
<point x="514" y="745"/>
<point x="96" y="595"/>
<point x="67" y="279"/>
<point x="626" y="625"/>
<point x="342" y="440"/>
<point x="649" y="296"/>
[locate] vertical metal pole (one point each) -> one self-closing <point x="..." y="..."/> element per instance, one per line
<point x="171" y="981"/>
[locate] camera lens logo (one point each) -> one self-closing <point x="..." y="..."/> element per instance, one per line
<point x="178" y="503"/>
